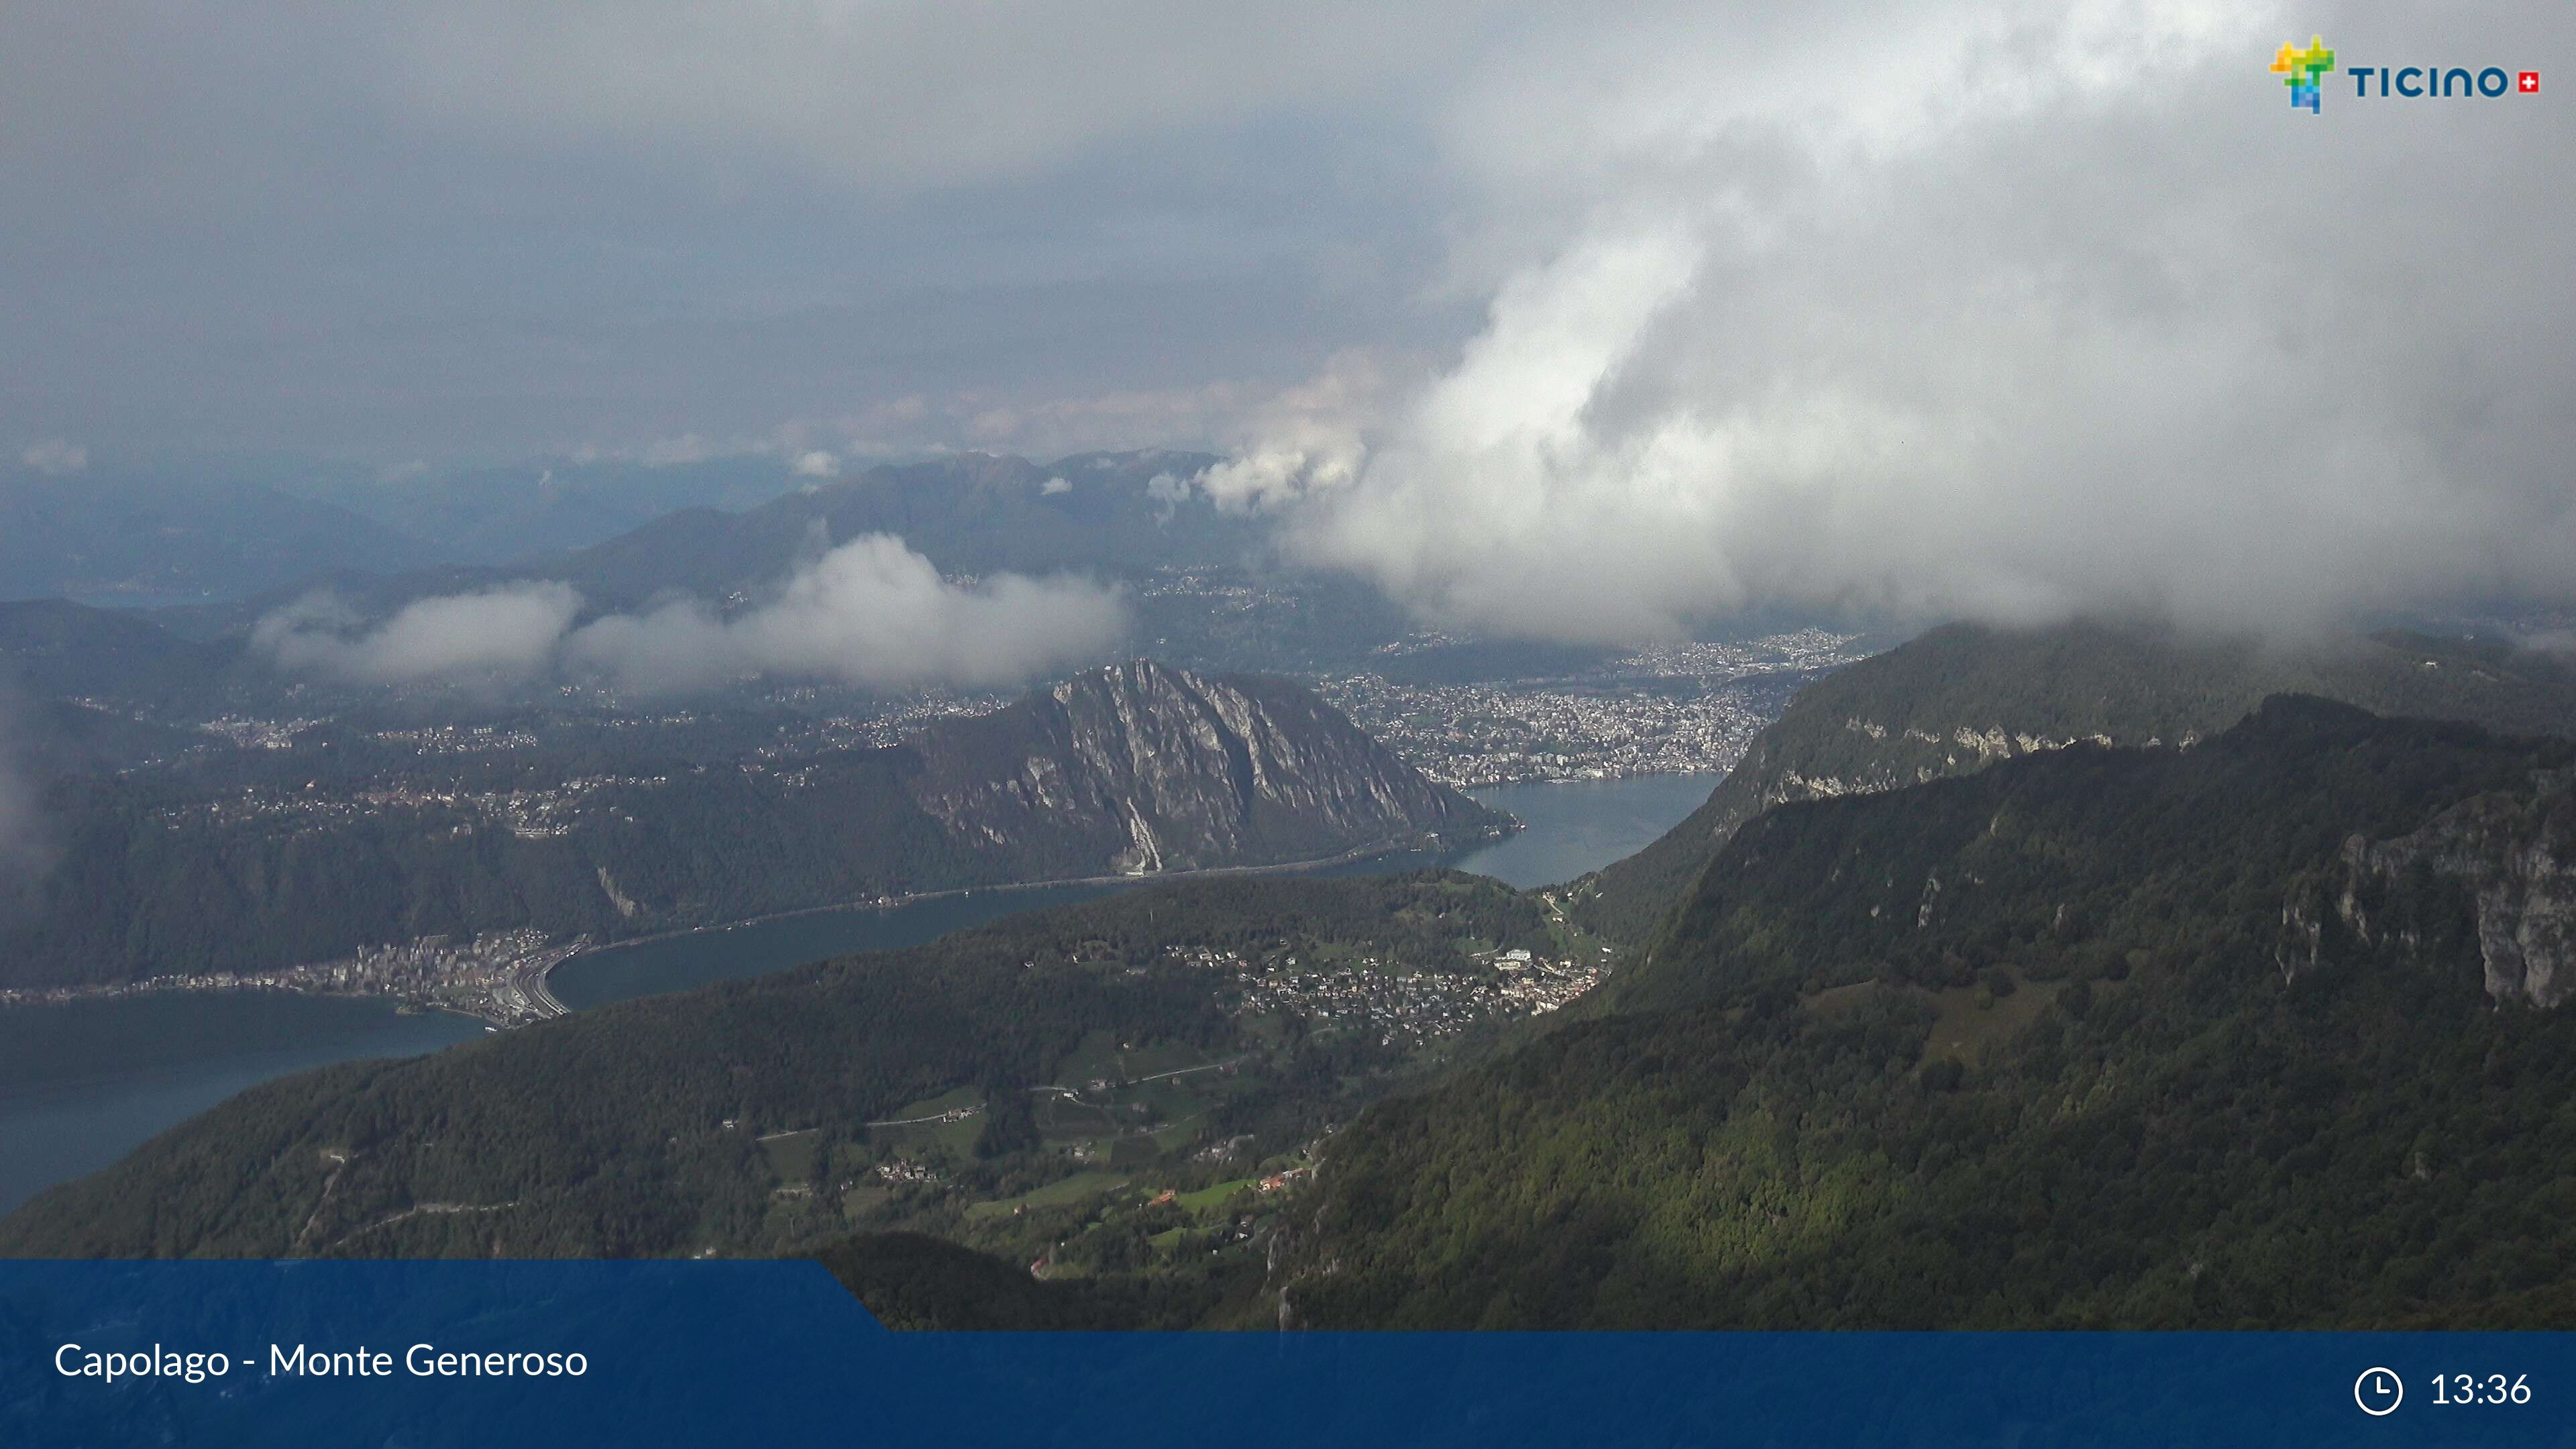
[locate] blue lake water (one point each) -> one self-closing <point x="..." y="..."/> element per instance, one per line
<point x="82" y="1085"/>
<point x="1571" y="829"/>
<point x="1580" y="827"/>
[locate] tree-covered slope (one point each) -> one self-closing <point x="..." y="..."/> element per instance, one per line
<point x="2099" y="1037"/>
<point x="664" y="1125"/>
<point x="1965" y="696"/>
<point x="918" y="1282"/>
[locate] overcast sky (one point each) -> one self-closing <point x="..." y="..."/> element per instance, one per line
<point x="1547" y="323"/>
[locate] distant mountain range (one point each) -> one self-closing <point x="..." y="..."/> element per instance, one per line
<point x="220" y="533"/>
<point x="53" y="648"/>
<point x="973" y="514"/>
<point x="494" y="515"/>
<point x="1132" y="770"/>
<point x="1115" y="517"/>
<point x="144" y="542"/>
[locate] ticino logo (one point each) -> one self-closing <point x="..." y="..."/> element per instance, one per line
<point x="2304" y="68"/>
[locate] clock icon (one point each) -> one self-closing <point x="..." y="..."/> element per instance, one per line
<point x="2378" y="1392"/>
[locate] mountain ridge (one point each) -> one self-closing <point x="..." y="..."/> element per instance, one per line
<point x="152" y="876"/>
<point x="2091" y="1038"/>
<point x="1963" y="696"/>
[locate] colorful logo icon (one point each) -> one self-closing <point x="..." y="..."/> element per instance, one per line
<point x="2528" y="83"/>
<point x="2303" y="70"/>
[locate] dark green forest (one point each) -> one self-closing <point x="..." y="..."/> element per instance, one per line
<point x="918" y="1282"/>
<point x="638" y="1128"/>
<point x="2095" y="1078"/>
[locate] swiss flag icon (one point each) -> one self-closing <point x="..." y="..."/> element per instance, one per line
<point x="2529" y="83"/>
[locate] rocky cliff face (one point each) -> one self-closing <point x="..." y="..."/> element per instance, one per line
<point x="1136" y="770"/>
<point x="2511" y="858"/>
<point x="1139" y="769"/>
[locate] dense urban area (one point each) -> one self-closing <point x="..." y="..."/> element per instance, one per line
<point x="1669" y="710"/>
<point x="499" y="977"/>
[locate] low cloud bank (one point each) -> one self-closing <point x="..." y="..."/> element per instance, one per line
<point x="871" y="612"/>
<point x="506" y="633"/>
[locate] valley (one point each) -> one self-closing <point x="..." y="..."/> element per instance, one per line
<point x="1468" y="725"/>
<point x="336" y="855"/>
<point x="1141" y="998"/>
<point x="103" y="1069"/>
<point x="1302" y="1000"/>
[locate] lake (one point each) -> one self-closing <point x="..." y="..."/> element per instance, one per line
<point x="1572" y="828"/>
<point x="84" y="1084"/>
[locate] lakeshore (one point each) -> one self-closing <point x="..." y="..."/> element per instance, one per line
<point x="85" y="1081"/>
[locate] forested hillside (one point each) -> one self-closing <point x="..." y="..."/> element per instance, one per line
<point x="53" y="648"/>
<point x="1965" y="696"/>
<point x="2151" y="1038"/>
<point x="1155" y="1031"/>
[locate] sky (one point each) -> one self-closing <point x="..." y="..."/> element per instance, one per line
<point x="1546" y="323"/>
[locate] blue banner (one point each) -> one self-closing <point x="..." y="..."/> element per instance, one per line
<point x="505" y="1354"/>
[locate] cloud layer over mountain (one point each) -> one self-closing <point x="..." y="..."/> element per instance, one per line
<point x="870" y="612"/>
<point x="508" y="633"/>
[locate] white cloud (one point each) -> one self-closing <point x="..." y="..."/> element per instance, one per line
<point x="1984" y="327"/>
<point x="55" y="458"/>
<point x="815" y="463"/>
<point x="1304" y="438"/>
<point x="1054" y="486"/>
<point x="870" y="612"/>
<point x="504" y="633"/>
